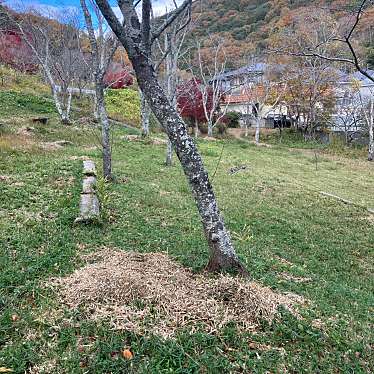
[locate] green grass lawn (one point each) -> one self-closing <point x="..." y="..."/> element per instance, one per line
<point x="280" y="222"/>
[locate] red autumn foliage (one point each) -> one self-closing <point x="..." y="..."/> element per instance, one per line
<point x="16" y="53"/>
<point x="118" y="77"/>
<point x="190" y="100"/>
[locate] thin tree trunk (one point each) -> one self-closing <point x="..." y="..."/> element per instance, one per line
<point x="257" y="134"/>
<point x="66" y="112"/>
<point x="246" y="128"/>
<point x="95" y="108"/>
<point x="105" y="130"/>
<point x="59" y="105"/>
<point x="169" y="153"/>
<point x="196" y="129"/>
<point x="210" y="129"/>
<point x="145" y="113"/>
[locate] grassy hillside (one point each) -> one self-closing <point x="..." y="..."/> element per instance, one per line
<point x="289" y="236"/>
<point x="25" y="94"/>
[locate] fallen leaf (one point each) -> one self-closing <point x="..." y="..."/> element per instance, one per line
<point x="5" y="370"/>
<point x="15" y="317"/>
<point x="126" y="353"/>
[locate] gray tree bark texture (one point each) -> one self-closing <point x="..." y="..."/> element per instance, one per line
<point x="135" y="38"/>
<point x="105" y="129"/>
<point x="145" y="114"/>
<point x="169" y="153"/>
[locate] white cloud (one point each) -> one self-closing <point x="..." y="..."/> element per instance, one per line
<point x="161" y="7"/>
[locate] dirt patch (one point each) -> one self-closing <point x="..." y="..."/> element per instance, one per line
<point x="283" y="261"/>
<point x="370" y="218"/>
<point x="11" y="181"/>
<point x="139" y="138"/>
<point x="150" y="293"/>
<point x="53" y="146"/>
<point x="5" y="178"/>
<point x="292" y="278"/>
<point x="26" y="131"/>
<point x="82" y="158"/>
<point x="17" y="142"/>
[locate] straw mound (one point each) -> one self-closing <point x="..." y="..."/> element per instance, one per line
<point x="150" y="293"/>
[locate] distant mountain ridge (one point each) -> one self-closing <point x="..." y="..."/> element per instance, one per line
<point x="246" y="25"/>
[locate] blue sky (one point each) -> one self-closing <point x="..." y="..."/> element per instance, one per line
<point x="158" y="5"/>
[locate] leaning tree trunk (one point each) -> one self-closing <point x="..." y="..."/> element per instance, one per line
<point x="62" y="112"/>
<point x="105" y="130"/>
<point x="145" y="114"/>
<point x="223" y="255"/>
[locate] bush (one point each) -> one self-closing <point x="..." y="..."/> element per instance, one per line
<point x="221" y="128"/>
<point x="203" y="127"/>
<point x="231" y="119"/>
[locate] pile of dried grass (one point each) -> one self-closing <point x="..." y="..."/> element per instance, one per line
<point x="150" y="293"/>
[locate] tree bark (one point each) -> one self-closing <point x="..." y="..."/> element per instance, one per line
<point x="145" y="113"/>
<point x="105" y="129"/>
<point x="196" y="129"/>
<point x="62" y="112"/>
<point x="169" y="153"/>
<point x="257" y="134"/>
<point x="210" y="129"/>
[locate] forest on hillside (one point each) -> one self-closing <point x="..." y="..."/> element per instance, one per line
<point x="247" y="27"/>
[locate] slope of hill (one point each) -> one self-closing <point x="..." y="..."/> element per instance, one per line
<point x="245" y="25"/>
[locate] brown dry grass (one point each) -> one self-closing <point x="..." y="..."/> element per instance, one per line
<point x="151" y="293"/>
<point x="11" y="142"/>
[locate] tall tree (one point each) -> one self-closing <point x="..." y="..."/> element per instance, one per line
<point x="211" y="86"/>
<point x="102" y="49"/>
<point x="55" y="46"/>
<point x="137" y="38"/>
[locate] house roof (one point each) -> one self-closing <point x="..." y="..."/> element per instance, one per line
<point x="252" y="68"/>
<point x="364" y="80"/>
<point x="237" y="99"/>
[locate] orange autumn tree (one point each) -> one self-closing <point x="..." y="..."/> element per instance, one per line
<point x="309" y="94"/>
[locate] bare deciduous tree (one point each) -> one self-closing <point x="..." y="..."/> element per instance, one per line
<point x="55" y="46"/>
<point x="212" y="91"/>
<point x="102" y="50"/>
<point x="137" y="38"/>
<point x="342" y="36"/>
